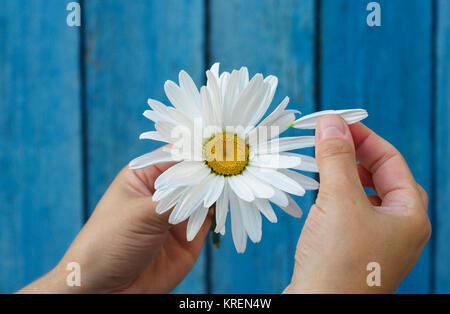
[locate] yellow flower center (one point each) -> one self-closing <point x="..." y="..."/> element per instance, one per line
<point x="226" y="154"/>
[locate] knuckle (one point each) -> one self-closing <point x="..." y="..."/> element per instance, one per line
<point x="423" y="193"/>
<point x="421" y="226"/>
<point x="335" y="147"/>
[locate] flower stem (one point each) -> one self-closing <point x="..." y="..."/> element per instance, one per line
<point x="215" y="237"/>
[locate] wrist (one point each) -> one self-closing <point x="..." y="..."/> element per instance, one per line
<point x="54" y="282"/>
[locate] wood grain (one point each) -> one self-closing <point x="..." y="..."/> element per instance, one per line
<point x="388" y="71"/>
<point x="40" y="152"/>
<point x="442" y="149"/>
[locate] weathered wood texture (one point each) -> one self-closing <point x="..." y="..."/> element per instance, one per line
<point x="70" y="122"/>
<point x="40" y="156"/>
<point x="388" y="71"/>
<point x="441" y="127"/>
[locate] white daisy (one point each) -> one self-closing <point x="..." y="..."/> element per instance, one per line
<point x="225" y="156"/>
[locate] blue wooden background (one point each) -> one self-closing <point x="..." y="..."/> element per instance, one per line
<point x="71" y="100"/>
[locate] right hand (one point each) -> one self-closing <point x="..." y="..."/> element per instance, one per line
<point x="347" y="229"/>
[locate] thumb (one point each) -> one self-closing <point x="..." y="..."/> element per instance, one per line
<point x="335" y="155"/>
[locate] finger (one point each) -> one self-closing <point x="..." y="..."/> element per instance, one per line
<point x="150" y="174"/>
<point x="335" y="155"/>
<point x="375" y="200"/>
<point x="390" y="173"/>
<point x="365" y="176"/>
<point x="423" y="195"/>
<point x="195" y="246"/>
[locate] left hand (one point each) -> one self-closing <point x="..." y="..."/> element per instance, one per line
<point x="126" y="246"/>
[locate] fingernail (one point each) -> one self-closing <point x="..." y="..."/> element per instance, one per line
<point x="331" y="126"/>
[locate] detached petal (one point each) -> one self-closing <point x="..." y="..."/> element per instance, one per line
<point x="350" y="116"/>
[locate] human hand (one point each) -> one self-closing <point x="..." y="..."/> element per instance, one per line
<point x="126" y="246"/>
<point x="347" y="229"/>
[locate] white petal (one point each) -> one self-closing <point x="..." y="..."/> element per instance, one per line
<point x="216" y="190"/>
<point x="170" y="200"/>
<point x="308" y="163"/>
<point x="191" y="200"/>
<point x="180" y="118"/>
<point x="350" y="116"/>
<point x="154" y="115"/>
<point x="243" y="78"/>
<point x="253" y="110"/>
<point x="272" y="83"/>
<point x="279" y="198"/>
<point x="275" y="161"/>
<point x="215" y="69"/>
<point x="276" y="113"/>
<point x="245" y="98"/>
<point x="223" y="84"/>
<point x="306" y="182"/>
<point x="195" y="222"/>
<point x="237" y="226"/>
<point x="162" y="193"/>
<point x="278" y="126"/>
<point x="251" y="218"/>
<point x="282" y="123"/>
<point x="150" y="159"/>
<point x="180" y="100"/>
<point x="292" y="208"/>
<point x="207" y="107"/>
<point x="182" y="174"/>
<point x="277" y="180"/>
<point x="165" y="128"/>
<point x="152" y="135"/>
<point x="216" y="99"/>
<point x="266" y="209"/>
<point x="239" y="186"/>
<point x="189" y="87"/>
<point x="156" y="105"/>
<point x="259" y="188"/>
<point x="285" y="144"/>
<point x="231" y="95"/>
<point x="222" y="208"/>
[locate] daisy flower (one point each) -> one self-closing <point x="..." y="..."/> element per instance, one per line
<point x="226" y="155"/>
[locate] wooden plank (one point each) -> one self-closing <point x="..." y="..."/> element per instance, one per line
<point x="386" y="70"/>
<point x="131" y="50"/>
<point x="40" y="157"/>
<point x="269" y="37"/>
<point x="442" y="149"/>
